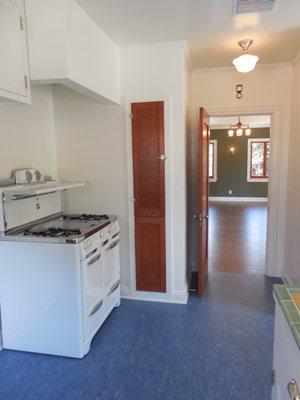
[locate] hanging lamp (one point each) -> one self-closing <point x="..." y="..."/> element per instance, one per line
<point x="246" y="62"/>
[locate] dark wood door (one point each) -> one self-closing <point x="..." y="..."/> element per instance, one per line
<point x="149" y="195"/>
<point x="202" y="212"/>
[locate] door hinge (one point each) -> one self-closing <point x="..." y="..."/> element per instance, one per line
<point x="273" y="377"/>
<point x="26" y="82"/>
<point x="131" y="116"/>
<point x="21" y="24"/>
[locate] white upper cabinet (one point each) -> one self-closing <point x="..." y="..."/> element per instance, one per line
<point x="14" y="75"/>
<point x="66" y="46"/>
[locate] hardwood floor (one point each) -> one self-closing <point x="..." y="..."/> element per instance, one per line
<point x="237" y="237"/>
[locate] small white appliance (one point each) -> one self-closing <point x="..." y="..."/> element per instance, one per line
<point x="59" y="273"/>
<point x="27" y="176"/>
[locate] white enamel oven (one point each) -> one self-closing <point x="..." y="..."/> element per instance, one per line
<point x="54" y="297"/>
<point x="100" y="268"/>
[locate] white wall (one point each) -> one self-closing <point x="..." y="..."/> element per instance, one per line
<point x="91" y="147"/>
<point x="27" y="135"/>
<point x="292" y="243"/>
<point x="156" y="72"/>
<point x="269" y="86"/>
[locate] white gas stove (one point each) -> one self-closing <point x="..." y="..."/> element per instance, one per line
<point x="59" y="273"/>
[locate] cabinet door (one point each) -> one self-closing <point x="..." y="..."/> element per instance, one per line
<point x="149" y="192"/>
<point x="13" y="66"/>
<point x="286" y="358"/>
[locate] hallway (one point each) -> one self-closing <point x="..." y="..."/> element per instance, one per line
<point x="237" y="237"/>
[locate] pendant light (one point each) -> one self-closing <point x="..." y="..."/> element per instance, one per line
<point x="246" y="62"/>
<point x="239" y="129"/>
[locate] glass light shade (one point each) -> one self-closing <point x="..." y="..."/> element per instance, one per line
<point x="239" y="132"/>
<point x="248" y="132"/>
<point x="245" y="63"/>
<point x="230" y="133"/>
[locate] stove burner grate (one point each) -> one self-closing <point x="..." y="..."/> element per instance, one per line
<point x="52" y="232"/>
<point x="86" y="217"/>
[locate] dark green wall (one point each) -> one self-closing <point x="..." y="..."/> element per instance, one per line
<point x="232" y="169"/>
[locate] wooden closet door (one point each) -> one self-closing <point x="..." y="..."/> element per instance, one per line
<point x="149" y="195"/>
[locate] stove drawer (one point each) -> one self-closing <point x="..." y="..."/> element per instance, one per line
<point x="101" y="311"/>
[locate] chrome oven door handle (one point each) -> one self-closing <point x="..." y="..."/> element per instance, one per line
<point x="91" y="253"/>
<point x="114" y="244"/>
<point x="96" y="308"/>
<point x="114" y="287"/>
<point x="94" y="260"/>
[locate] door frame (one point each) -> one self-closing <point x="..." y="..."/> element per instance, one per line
<point x="131" y="292"/>
<point x="277" y="185"/>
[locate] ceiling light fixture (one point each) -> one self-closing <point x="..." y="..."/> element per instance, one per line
<point x="246" y="62"/>
<point x="239" y="129"/>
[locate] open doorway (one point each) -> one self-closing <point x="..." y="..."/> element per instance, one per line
<point x="239" y="163"/>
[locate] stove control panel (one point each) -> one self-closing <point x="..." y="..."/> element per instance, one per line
<point x="95" y="240"/>
<point x="110" y="230"/>
<point x="26" y="176"/>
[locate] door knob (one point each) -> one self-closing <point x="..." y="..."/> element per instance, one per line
<point x="293" y="390"/>
<point x="133" y="199"/>
<point x="162" y="157"/>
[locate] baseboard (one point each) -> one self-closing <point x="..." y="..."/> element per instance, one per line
<point x="240" y="199"/>
<point x="125" y="291"/>
<point x="286" y="278"/>
<point x="176" y="297"/>
<point x="180" y="296"/>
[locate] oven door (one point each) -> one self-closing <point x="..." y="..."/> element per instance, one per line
<point x="111" y="264"/>
<point x="92" y="268"/>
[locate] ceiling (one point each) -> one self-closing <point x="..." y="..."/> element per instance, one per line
<point x="254" y="121"/>
<point x="208" y="25"/>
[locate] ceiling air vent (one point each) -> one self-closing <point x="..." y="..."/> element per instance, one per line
<point x="253" y="6"/>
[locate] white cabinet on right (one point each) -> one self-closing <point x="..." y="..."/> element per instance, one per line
<point x="286" y="359"/>
<point x="14" y="75"/>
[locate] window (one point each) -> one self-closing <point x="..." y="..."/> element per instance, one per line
<point x="212" y="161"/>
<point x="258" y="160"/>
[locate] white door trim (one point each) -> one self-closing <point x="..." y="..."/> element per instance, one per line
<point x="171" y="295"/>
<point x="277" y="180"/>
<point x="239" y="199"/>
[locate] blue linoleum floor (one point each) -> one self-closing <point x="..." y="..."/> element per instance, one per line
<point x="219" y="347"/>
